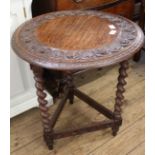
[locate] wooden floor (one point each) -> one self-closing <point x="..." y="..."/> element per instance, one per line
<point x="26" y="129"/>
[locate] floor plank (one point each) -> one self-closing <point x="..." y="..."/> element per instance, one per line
<point x="124" y="141"/>
<point x="138" y="150"/>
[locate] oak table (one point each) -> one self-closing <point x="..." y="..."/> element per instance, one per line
<point x="68" y="41"/>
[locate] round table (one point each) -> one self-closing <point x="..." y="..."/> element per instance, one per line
<point x="68" y="41"/>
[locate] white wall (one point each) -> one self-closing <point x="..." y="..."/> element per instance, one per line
<point x="23" y="96"/>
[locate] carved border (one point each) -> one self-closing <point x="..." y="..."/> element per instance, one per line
<point x="27" y="47"/>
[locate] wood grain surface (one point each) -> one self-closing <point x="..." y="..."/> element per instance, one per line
<point x="125" y="8"/>
<point x="77" y="32"/>
<point x="121" y="7"/>
<point x="79" y="4"/>
<point x="112" y="38"/>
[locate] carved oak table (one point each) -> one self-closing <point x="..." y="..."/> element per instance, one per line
<point x="68" y="41"/>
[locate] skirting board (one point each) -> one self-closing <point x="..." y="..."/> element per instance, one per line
<point x="26" y="101"/>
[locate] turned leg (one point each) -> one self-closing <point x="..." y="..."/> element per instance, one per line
<point x="119" y="96"/>
<point x="71" y="96"/>
<point x="69" y="82"/>
<point x="39" y="84"/>
<point x="71" y="89"/>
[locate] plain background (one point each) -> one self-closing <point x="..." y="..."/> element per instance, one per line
<point x="5" y="77"/>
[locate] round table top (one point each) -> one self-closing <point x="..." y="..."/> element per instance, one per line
<point x="70" y="40"/>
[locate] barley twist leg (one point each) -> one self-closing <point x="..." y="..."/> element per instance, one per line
<point x="39" y="84"/>
<point x="119" y="95"/>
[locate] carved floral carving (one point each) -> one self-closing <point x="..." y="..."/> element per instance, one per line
<point x="127" y="37"/>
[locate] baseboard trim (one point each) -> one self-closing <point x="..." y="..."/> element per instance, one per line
<point x="26" y="101"/>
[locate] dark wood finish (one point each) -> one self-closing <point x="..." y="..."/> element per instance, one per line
<point x="82" y="4"/>
<point x="39" y="7"/>
<point x="123" y="7"/>
<point x="142" y="15"/>
<point x="119" y="94"/>
<point x="36" y="42"/>
<point x="94" y="104"/>
<point x="59" y="109"/>
<point x="85" y="129"/>
<point x="48" y="138"/>
<point x="63" y="30"/>
<point x="38" y="77"/>
<point x="39" y="83"/>
<point x="141" y="22"/>
<point x="71" y="86"/>
<point x="53" y="83"/>
<point x="137" y="56"/>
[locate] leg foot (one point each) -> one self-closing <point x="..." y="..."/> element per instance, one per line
<point x="115" y="130"/>
<point x="70" y="85"/>
<point x="49" y="140"/>
<point x="71" y="97"/>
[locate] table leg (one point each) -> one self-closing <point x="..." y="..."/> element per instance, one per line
<point x="69" y="83"/>
<point x="39" y="84"/>
<point x="119" y="95"/>
<point x="137" y="56"/>
<point x="71" y="89"/>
